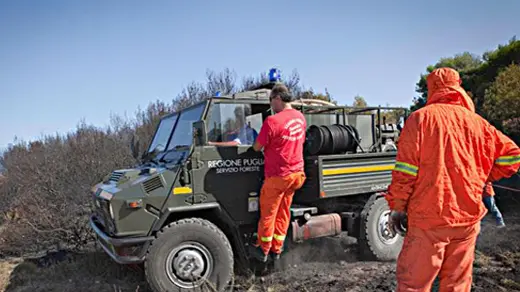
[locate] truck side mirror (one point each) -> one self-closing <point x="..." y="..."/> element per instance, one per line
<point x="199" y="133"/>
<point x="134" y="147"/>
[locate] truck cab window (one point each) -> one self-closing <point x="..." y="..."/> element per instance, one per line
<point x="183" y="132"/>
<point x="233" y="124"/>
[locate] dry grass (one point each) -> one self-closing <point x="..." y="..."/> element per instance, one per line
<point x="511" y="284"/>
<point x="85" y="273"/>
<point x="97" y="272"/>
<point x="334" y="268"/>
<point x="6" y="268"/>
<point x="481" y="260"/>
<point x="93" y="272"/>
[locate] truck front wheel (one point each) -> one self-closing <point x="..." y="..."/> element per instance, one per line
<point x="376" y="241"/>
<point x="188" y="255"/>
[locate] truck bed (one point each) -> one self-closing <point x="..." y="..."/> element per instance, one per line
<point x="344" y="175"/>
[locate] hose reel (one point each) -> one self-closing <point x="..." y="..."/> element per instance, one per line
<point x="332" y="139"/>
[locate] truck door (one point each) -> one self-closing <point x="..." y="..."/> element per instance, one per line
<point x="233" y="174"/>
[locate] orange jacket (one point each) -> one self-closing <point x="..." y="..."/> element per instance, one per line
<point x="446" y="155"/>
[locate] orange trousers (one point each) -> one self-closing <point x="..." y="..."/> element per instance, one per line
<point x="447" y="251"/>
<point x="275" y="214"/>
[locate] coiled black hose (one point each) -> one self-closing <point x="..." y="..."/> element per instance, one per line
<point x="333" y="139"/>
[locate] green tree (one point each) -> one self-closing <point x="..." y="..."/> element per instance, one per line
<point x="478" y="80"/>
<point x="477" y="73"/>
<point x="502" y="101"/>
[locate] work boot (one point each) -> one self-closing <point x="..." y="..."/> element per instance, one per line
<point x="501" y="223"/>
<point x="257" y="253"/>
<point x="275" y="256"/>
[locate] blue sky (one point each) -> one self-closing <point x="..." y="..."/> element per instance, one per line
<point x="63" y="61"/>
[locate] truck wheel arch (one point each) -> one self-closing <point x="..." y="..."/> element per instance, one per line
<point x="175" y="213"/>
<point x="212" y="212"/>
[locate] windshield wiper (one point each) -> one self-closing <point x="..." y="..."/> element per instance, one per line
<point x="182" y="147"/>
<point x="176" y="148"/>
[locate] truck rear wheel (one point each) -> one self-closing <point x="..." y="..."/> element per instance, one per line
<point x="376" y="242"/>
<point x="188" y="255"/>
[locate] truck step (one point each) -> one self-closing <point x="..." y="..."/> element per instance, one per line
<point x="297" y="210"/>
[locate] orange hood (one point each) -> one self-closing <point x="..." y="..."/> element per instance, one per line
<point x="444" y="87"/>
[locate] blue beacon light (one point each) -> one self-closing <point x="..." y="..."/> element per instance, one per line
<point x="274" y="75"/>
<point x="217" y="94"/>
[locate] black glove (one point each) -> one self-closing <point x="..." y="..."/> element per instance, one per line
<point x="398" y="223"/>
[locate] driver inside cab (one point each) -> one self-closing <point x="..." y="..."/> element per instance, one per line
<point x="243" y="134"/>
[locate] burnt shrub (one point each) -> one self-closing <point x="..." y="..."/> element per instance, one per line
<point x="52" y="178"/>
<point x="45" y="191"/>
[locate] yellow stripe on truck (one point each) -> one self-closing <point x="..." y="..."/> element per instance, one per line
<point x="182" y="191"/>
<point x="359" y="169"/>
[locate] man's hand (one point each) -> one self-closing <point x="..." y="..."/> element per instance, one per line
<point x="257" y="146"/>
<point x="396" y="221"/>
<point x="229" y="143"/>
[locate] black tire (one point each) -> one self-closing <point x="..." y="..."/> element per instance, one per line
<point x="201" y="235"/>
<point x="372" y="244"/>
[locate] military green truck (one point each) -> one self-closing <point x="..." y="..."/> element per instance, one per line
<point x="190" y="209"/>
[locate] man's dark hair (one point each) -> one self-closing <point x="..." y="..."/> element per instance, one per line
<point x="282" y="91"/>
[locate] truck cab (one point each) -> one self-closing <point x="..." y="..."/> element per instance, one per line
<point x="189" y="210"/>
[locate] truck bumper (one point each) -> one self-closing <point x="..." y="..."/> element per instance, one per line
<point x="117" y="248"/>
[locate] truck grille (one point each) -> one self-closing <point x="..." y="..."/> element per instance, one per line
<point x="103" y="213"/>
<point x="116" y="176"/>
<point x="153" y="184"/>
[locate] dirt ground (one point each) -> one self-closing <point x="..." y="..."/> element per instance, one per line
<point x="328" y="264"/>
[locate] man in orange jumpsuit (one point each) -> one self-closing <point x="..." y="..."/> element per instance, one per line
<point x="447" y="153"/>
<point x="282" y="136"/>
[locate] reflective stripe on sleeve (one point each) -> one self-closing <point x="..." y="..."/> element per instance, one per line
<point x="508" y="160"/>
<point x="406" y="168"/>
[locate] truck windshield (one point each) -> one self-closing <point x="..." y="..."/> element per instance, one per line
<point x="163" y="134"/>
<point x="183" y="134"/>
